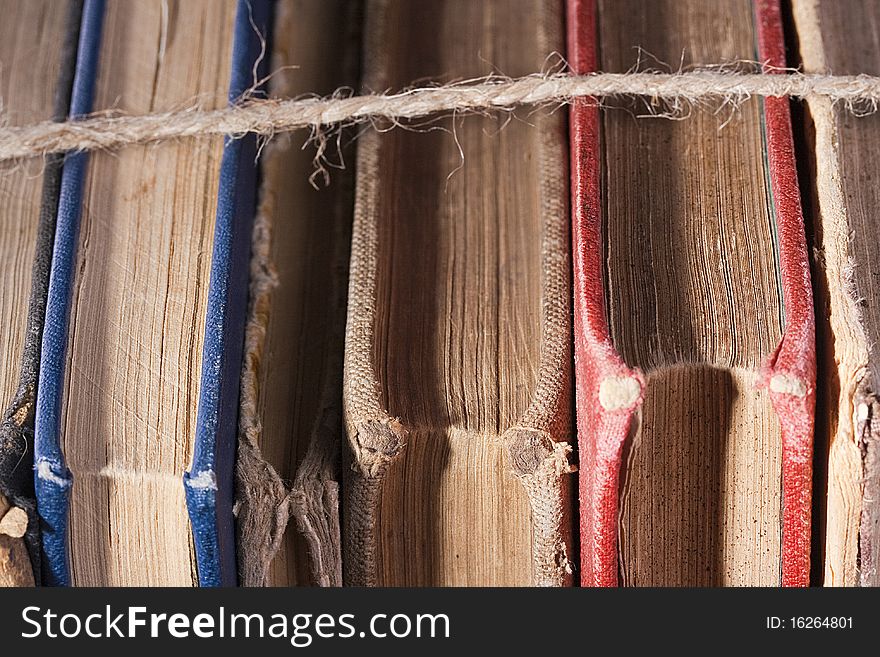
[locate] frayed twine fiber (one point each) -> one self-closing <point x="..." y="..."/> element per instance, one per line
<point x="267" y="117"/>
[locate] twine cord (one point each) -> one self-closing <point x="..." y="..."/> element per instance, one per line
<point x="267" y="117"/>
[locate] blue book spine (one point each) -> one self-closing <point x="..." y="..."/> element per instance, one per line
<point x="52" y="479"/>
<point x="209" y="482"/>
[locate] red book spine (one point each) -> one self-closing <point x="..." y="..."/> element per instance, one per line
<point x="609" y="393"/>
<point x="602" y="428"/>
<point x="790" y="373"/>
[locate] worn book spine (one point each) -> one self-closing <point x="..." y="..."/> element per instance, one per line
<point x="609" y="394"/>
<point x="209" y="483"/>
<point x="841" y="146"/>
<point x="534" y="440"/>
<point x="290" y="423"/>
<point x="52" y="479"/>
<point x="17" y="424"/>
<point x="790" y="373"/>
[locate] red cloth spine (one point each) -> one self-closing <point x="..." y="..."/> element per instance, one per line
<point x="795" y="358"/>
<point x="603" y="431"/>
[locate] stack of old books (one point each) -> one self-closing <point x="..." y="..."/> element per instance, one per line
<point x="542" y="347"/>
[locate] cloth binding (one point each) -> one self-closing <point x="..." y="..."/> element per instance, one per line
<point x="52" y="478"/>
<point x="210" y="481"/>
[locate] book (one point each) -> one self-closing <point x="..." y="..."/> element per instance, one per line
<point x="693" y="311"/>
<point x="141" y="356"/>
<point x="288" y="469"/>
<point x="840" y="38"/>
<point x="457" y="378"/>
<point x="37" y="56"/>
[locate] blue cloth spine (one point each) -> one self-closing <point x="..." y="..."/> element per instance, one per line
<point x="209" y="482"/>
<point x="52" y="479"/>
